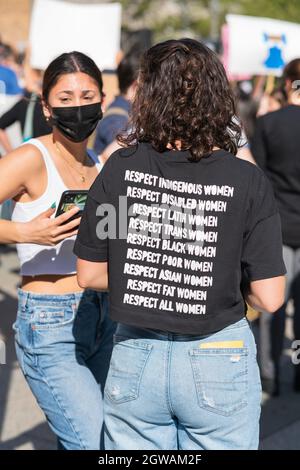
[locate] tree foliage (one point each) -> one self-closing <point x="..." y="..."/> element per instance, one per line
<point x="194" y="16"/>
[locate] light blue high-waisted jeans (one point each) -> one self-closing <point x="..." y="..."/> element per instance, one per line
<point x="64" y="344"/>
<point x="171" y="391"/>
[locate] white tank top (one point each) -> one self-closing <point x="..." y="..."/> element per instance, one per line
<point x="43" y="259"/>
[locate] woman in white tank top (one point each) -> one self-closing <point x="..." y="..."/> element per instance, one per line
<point x="63" y="334"/>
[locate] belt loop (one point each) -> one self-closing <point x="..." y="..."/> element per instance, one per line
<point x="28" y="298"/>
<point x="24" y="298"/>
<point x="75" y="300"/>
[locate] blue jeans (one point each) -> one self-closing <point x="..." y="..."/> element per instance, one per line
<point x="64" y="344"/>
<point x="171" y="391"/>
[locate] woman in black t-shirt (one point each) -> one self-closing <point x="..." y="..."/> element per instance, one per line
<point x="189" y="233"/>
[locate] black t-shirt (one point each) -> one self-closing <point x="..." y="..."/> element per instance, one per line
<point x="276" y="149"/>
<point x="18" y="114"/>
<point x="193" y="230"/>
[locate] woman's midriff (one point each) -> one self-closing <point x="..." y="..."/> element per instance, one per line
<point x="51" y="284"/>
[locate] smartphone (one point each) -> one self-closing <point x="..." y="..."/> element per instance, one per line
<point x="72" y="198"/>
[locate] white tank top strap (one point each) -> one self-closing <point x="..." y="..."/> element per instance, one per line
<point x="50" y="166"/>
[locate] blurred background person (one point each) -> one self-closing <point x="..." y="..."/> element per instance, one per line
<point x="27" y="111"/>
<point x="276" y="148"/>
<point x="8" y="67"/>
<point x="117" y="115"/>
<point x="272" y="101"/>
<point x="246" y="105"/>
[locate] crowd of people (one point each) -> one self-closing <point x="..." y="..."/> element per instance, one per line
<point x="132" y="331"/>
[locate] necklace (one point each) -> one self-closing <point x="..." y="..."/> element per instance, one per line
<point x="82" y="176"/>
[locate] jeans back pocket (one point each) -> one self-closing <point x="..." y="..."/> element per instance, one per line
<point x="221" y="379"/>
<point x="127" y="365"/>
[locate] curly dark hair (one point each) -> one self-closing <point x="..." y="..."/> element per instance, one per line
<point x="183" y="95"/>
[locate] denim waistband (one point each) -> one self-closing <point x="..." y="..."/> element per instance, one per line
<point x="25" y="297"/>
<point x="135" y="332"/>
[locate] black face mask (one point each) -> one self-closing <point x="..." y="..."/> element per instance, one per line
<point x="77" y="122"/>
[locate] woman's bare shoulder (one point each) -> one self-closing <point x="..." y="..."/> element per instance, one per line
<point x="27" y="157"/>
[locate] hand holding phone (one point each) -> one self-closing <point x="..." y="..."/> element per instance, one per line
<point x="70" y="199"/>
<point x="45" y="230"/>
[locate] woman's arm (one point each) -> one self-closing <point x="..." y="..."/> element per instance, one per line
<point x="92" y="274"/>
<point x="266" y="294"/>
<point x="14" y="169"/>
<point x="245" y="154"/>
<point x="17" y="169"/>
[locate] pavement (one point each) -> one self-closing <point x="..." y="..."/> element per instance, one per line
<point x="23" y="426"/>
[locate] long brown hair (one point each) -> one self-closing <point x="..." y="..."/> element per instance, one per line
<point x="70" y="62"/>
<point x="183" y="95"/>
